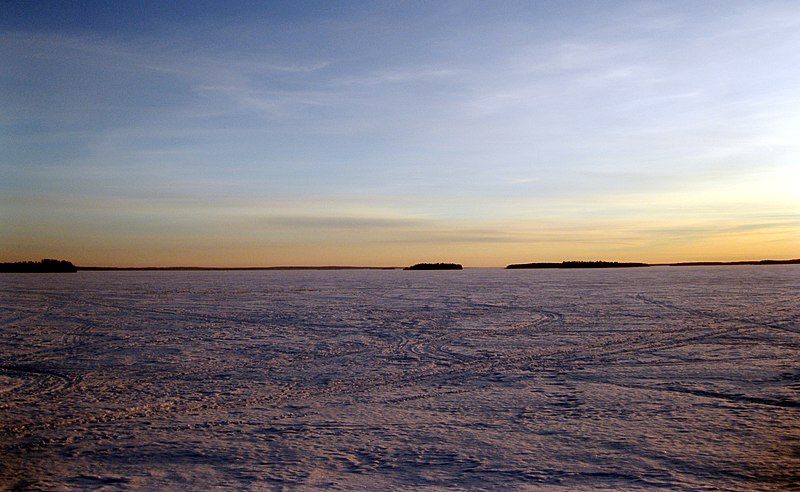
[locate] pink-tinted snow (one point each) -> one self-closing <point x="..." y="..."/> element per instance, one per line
<point x="679" y="378"/>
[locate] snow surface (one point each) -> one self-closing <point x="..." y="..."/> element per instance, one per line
<point x="665" y="377"/>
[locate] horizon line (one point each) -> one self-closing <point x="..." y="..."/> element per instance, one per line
<point x="363" y="267"/>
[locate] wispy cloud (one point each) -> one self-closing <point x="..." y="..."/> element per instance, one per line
<point x="616" y="126"/>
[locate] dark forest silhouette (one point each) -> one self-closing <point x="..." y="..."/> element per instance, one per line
<point x="180" y="268"/>
<point x="578" y="264"/>
<point x="435" y="266"/>
<point x="43" y="266"/>
<point x="749" y="262"/>
<point x="59" y="266"/>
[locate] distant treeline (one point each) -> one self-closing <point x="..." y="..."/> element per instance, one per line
<point x="43" y="266"/>
<point x="614" y="264"/>
<point x="752" y="262"/>
<point x="52" y="266"/>
<point x="578" y="264"/>
<point x="192" y="269"/>
<point x="435" y="266"/>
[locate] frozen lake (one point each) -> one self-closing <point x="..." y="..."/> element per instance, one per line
<point x="663" y="377"/>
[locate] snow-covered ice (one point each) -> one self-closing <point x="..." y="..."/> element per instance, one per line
<point x="662" y="377"/>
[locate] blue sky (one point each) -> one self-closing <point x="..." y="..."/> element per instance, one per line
<point x="224" y="133"/>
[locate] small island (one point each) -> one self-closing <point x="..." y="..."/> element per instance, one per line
<point x="43" y="266"/>
<point x="577" y="264"/>
<point x="435" y="266"/>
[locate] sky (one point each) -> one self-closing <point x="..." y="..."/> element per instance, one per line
<point x="370" y="133"/>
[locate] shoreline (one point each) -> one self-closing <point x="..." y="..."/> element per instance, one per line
<point x="569" y="265"/>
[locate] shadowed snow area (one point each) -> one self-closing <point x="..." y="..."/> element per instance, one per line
<point x="678" y="378"/>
